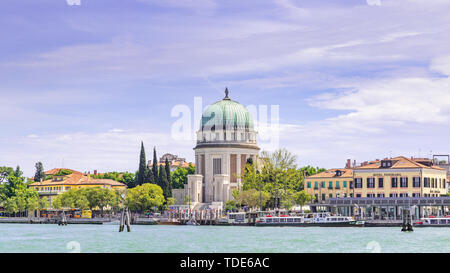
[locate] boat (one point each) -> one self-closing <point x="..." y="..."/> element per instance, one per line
<point x="237" y="219"/>
<point x="313" y="220"/>
<point x="433" y="221"/>
<point x="281" y="221"/>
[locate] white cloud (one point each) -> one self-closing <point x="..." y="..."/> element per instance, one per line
<point x="84" y="151"/>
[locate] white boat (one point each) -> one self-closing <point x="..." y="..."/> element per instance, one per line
<point x="328" y="220"/>
<point x="433" y="221"/>
<point x="237" y="218"/>
<point x="281" y="221"/>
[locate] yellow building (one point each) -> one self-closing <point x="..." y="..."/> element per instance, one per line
<point x="399" y="177"/>
<point x="334" y="183"/>
<point x="62" y="180"/>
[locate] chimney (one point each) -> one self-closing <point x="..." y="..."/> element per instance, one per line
<point x="348" y="165"/>
<point x="95" y="172"/>
<point x="354" y="163"/>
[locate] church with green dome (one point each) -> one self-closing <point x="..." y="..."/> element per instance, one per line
<point x="225" y="141"/>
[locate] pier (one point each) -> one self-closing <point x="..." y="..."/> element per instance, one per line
<point x="385" y="211"/>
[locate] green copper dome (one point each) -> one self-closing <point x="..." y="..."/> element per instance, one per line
<point x="227" y="115"/>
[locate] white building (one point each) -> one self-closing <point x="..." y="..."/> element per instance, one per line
<point x="225" y="141"/>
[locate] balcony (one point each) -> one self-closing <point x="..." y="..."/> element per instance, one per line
<point x="48" y="192"/>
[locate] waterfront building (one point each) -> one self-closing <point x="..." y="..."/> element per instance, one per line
<point x="62" y="180"/>
<point x="333" y="183"/>
<point x="225" y="141"/>
<point x="399" y="177"/>
<point x="395" y="177"/>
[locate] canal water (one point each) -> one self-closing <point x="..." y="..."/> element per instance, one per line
<point x="25" y="238"/>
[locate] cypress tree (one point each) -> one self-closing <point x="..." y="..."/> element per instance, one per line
<point x="149" y="178"/>
<point x="40" y="174"/>
<point x="169" y="180"/>
<point x="164" y="183"/>
<point x="155" y="168"/>
<point x="142" y="167"/>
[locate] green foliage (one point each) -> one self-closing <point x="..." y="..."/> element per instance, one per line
<point x="63" y="172"/>
<point x="40" y="174"/>
<point x="179" y="176"/>
<point x="171" y="201"/>
<point x="14" y="194"/>
<point x="87" y="198"/>
<point x="231" y="205"/>
<point x="145" y="197"/>
<point x="142" y="174"/>
<point x="308" y="170"/>
<point x="155" y="168"/>
<point x="164" y="182"/>
<point x="5" y="172"/>
<point x="301" y="198"/>
<point x="168" y="177"/>
<point x="277" y="176"/>
<point x="252" y="198"/>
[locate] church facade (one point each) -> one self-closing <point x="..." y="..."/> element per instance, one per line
<point x="225" y="141"/>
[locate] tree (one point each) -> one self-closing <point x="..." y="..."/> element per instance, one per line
<point x="40" y="174"/>
<point x="43" y="203"/>
<point x="277" y="175"/>
<point x="231" y="206"/>
<point x="308" y="170"/>
<point x="179" y="176"/>
<point x="155" y="168"/>
<point x="142" y="174"/>
<point x="164" y="183"/>
<point x="149" y="178"/>
<point x="301" y="198"/>
<point x="169" y="180"/>
<point x="171" y="201"/>
<point x="252" y="198"/>
<point x="145" y="197"/>
<point x="5" y="172"/>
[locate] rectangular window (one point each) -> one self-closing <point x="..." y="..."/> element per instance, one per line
<point x="322" y="184"/>
<point x="309" y="185"/>
<point x="380" y="195"/>
<point x="404" y="182"/>
<point x="345" y="184"/>
<point x="323" y="197"/>
<point x="316" y="185"/>
<point x="358" y="183"/>
<point x="393" y="195"/>
<point x="358" y="195"/>
<point x="338" y="186"/>
<point x="370" y="195"/>
<point x="217" y="166"/>
<point x="416" y="194"/>
<point x="394" y="182"/>
<point x="416" y="182"/>
<point x="370" y="182"/>
<point x="380" y="182"/>
<point x="330" y="185"/>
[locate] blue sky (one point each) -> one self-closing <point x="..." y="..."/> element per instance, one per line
<point x="81" y="86"/>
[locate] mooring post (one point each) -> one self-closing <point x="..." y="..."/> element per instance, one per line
<point x="128" y="221"/>
<point x="122" y="220"/>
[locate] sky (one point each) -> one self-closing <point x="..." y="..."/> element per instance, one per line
<point x="82" y="83"/>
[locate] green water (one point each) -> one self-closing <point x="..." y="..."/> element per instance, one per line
<point x="19" y="238"/>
